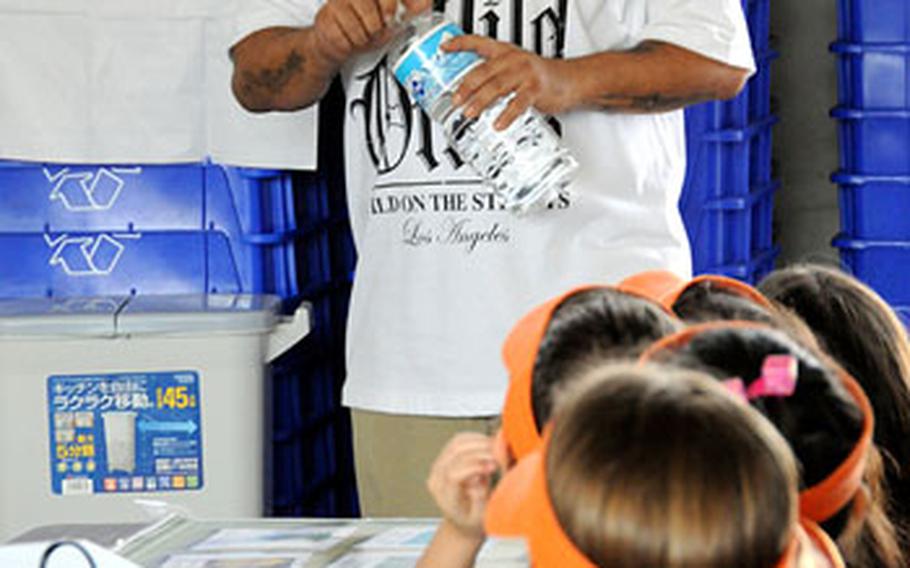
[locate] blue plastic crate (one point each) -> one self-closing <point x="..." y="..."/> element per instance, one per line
<point x="758" y="16"/>
<point x="874" y="141"/>
<point x="287" y="476"/>
<point x="874" y="207"/>
<point x="751" y="272"/>
<point x="880" y="264"/>
<point x="726" y="163"/>
<point x="873" y="76"/>
<point x="731" y="230"/>
<point x="314" y="200"/>
<point x="100" y="230"/>
<point x="751" y="105"/>
<point x="314" y="262"/>
<point x="874" y="20"/>
<point x="312" y="469"/>
<point x="758" y="88"/>
<point x="343" y="253"/>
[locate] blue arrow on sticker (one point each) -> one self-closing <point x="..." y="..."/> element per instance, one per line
<point x="185" y="426"/>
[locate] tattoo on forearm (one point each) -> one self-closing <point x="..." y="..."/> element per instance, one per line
<point x="273" y="81"/>
<point x="649" y="102"/>
<point x="654" y="102"/>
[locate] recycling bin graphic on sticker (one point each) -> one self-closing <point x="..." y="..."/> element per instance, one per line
<point x="125" y="433"/>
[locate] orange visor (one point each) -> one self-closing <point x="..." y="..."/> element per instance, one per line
<point x="818" y="546"/>
<point x="520" y="353"/>
<point x="824" y="499"/>
<point x="735" y="287"/>
<point x="520" y="507"/>
<point x="654" y="284"/>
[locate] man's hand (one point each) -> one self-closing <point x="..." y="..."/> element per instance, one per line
<point x="290" y="68"/>
<point x="347" y="27"/>
<point x="460" y="481"/>
<point x="536" y="81"/>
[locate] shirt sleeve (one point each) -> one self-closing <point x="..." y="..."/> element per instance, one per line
<point x="255" y="15"/>
<point x="713" y="28"/>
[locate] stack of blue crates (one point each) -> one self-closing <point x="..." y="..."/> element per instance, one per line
<point x="119" y="230"/>
<point x="727" y="200"/>
<point x="312" y="461"/>
<point x="87" y="230"/>
<point x="873" y="115"/>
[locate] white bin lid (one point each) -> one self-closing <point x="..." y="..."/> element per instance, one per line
<point x="59" y="316"/>
<point x="213" y="313"/>
<point x="138" y="315"/>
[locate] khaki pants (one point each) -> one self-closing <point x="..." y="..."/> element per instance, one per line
<point x="393" y="454"/>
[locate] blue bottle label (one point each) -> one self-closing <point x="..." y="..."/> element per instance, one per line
<point x="426" y="71"/>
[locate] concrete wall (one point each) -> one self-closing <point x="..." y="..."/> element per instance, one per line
<point x="804" y="87"/>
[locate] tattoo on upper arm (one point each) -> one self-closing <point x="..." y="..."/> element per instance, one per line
<point x="273" y="81"/>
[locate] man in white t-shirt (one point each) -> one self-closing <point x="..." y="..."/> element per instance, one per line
<point x="443" y="271"/>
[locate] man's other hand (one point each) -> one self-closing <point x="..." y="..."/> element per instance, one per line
<point x="536" y="81"/>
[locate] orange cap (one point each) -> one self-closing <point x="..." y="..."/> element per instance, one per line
<point x="821" y="501"/>
<point x="520" y="353"/>
<point x="520" y="506"/>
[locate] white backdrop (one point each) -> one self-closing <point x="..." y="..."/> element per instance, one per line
<point x="133" y="81"/>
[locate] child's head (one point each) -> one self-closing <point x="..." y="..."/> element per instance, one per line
<point x="856" y="327"/>
<point x="590" y="327"/>
<point x="820" y="420"/>
<point x="559" y="339"/>
<point x="659" y="468"/>
<point x="712" y="298"/>
<point x="653" y="467"/>
<point x="826" y="419"/>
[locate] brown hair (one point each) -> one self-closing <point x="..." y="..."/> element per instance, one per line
<point x="662" y="467"/>
<point x="858" y="329"/>
<point x="708" y="301"/>
<point x="589" y="327"/>
<point x="820" y="421"/>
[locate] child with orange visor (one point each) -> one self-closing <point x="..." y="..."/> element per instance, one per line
<point x="549" y="346"/>
<point x="822" y="413"/>
<point x="656" y="467"/>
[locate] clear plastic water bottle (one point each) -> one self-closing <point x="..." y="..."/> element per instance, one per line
<point x="525" y="164"/>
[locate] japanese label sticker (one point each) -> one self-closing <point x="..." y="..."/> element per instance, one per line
<point x="125" y="433"/>
<point x="426" y="71"/>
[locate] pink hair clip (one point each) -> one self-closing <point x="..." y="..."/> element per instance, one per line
<point x="778" y="379"/>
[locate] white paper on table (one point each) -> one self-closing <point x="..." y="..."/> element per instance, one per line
<point x="29" y="554"/>
<point x="316" y="538"/>
<point x="371" y="559"/>
<point x="133" y="81"/>
<point x="237" y="560"/>
<point x="504" y="550"/>
<point x="416" y="537"/>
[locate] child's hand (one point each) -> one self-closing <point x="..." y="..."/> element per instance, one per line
<point x="460" y="481"/>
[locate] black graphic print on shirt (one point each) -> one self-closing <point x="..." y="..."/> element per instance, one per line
<point x="421" y="180"/>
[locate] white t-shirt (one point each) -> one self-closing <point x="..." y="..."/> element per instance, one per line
<point x="443" y="273"/>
